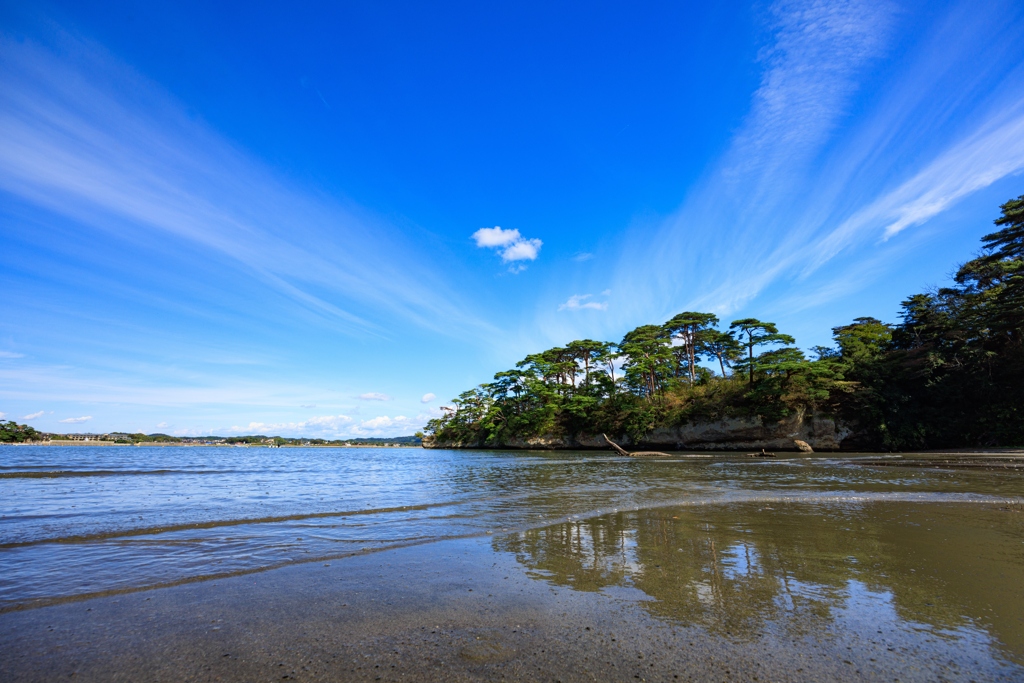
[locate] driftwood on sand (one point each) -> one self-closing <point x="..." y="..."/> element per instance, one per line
<point x="638" y="454"/>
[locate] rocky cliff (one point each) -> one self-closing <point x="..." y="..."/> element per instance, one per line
<point x="732" y="434"/>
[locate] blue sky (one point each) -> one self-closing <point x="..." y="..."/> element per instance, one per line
<point x="262" y="218"/>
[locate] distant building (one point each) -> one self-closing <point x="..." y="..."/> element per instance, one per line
<point x="86" y="437"/>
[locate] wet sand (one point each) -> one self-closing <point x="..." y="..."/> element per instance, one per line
<point x="880" y="591"/>
<point x="952" y="461"/>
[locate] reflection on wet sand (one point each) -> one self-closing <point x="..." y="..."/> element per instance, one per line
<point x="948" y="571"/>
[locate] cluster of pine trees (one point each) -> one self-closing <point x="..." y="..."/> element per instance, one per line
<point x="949" y="374"/>
<point x="12" y="432"/>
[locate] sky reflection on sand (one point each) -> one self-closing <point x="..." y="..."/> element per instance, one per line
<point x="802" y="571"/>
<point x="729" y="544"/>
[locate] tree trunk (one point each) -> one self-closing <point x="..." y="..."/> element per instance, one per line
<point x="622" y="451"/>
<point x="750" y="348"/>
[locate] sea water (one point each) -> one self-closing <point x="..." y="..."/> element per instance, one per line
<point x="724" y="541"/>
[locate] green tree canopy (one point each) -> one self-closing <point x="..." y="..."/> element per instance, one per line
<point x="754" y="333"/>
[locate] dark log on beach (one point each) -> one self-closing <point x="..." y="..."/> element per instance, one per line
<point x="638" y="454"/>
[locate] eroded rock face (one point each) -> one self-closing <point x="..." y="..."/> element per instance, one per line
<point x="541" y="442"/>
<point x="430" y="441"/>
<point x="731" y="434"/>
<point x="753" y="433"/>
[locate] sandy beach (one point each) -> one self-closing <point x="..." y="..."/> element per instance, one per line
<point x="519" y="607"/>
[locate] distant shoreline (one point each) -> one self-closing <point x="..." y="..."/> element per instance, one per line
<point x="166" y="444"/>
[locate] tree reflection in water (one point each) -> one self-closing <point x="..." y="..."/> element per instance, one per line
<point x="956" y="571"/>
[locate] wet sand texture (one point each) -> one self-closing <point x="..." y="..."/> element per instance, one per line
<point x="782" y="592"/>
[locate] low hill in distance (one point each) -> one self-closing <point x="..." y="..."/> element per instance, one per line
<point x="12" y="432"/>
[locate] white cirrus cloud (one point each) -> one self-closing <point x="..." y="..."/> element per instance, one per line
<point x="11" y="354"/>
<point x="85" y="136"/>
<point x="511" y="244"/>
<point x="76" y="420"/>
<point x="427" y="398"/>
<point x="806" y="180"/>
<point x="578" y="302"/>
<point x="33" y="416"/>
<point x="162" y="425"/>
<point x="3" y="415"/>
<point x="374" y="396"/>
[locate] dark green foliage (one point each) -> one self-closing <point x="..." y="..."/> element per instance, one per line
<point x="574" y="389"/>
<point x="12" y="432"/>
<point x="650" y="362"/>
<point x="753" y="333"/>
<point x="949" y="374"/>
<point x="693" y="331"/>
<point x="154" y="438"/>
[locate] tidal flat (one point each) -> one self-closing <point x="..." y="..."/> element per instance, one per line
<point x="260" y="564"/>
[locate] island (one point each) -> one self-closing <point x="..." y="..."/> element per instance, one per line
<point x="947" y="375"/>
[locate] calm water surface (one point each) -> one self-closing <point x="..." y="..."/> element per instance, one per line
<point x="723" y="542"/>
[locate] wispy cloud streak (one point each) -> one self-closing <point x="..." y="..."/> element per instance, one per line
<point x="578" y="302"/>
<point x="805" y="179"/>
<point x="84" y="136"/>
<point x="811" y="68"/>
<point x="737" y="215"/>
<point x="991" y="153"/>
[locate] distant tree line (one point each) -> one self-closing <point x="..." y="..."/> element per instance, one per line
<point x="12" y="432"/>
<point x="948" y="374"/>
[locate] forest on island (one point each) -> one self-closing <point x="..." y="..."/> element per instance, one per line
<point x="948" y="374"/>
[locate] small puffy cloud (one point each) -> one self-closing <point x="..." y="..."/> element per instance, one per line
<point x="389" y="426"/>
<point x="162" y="425"/>
<point x="325" y="425"/>
<point x="328" y="422"/>
<point x="382" y="421"/>
<point x="3" y="415"/>
<point x="76" y="420"/>
<point x="523" y="250"/>
<point x="32" y="416"/>
<point x="427" y="398"/>
<point x="495" y="237"/>
<point x="578" y="302"/>
<point x="11" y="354"/>
<point x="512" y="246"/>
<point x="374" y="396"/>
